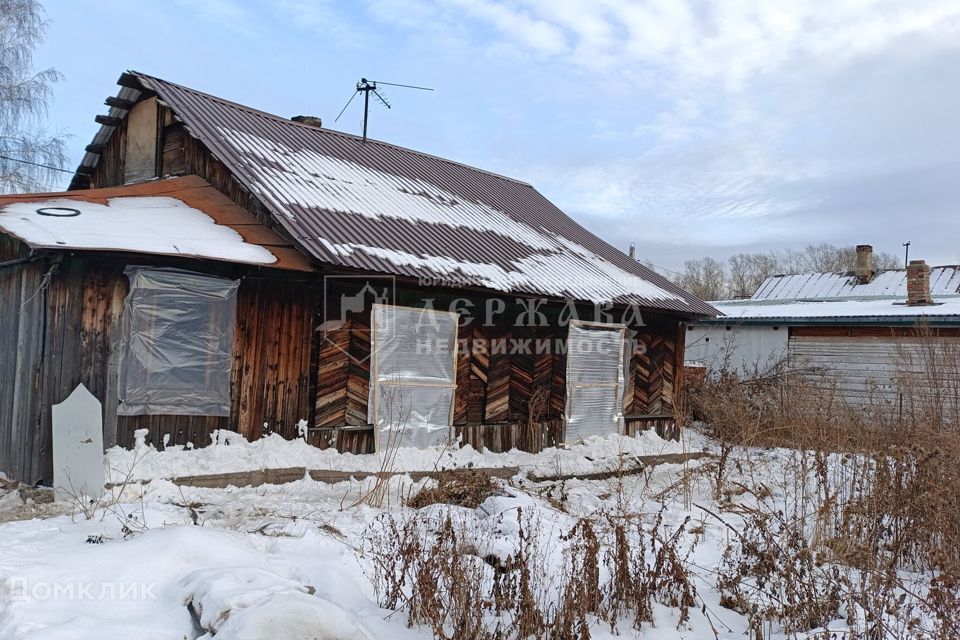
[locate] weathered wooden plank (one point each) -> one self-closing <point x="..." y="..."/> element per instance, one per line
<point x="558" y="377"/>
<point x="479" y="369"/>
<point x="497" y="406"/>
<point x="142" y="130"/>
<point x="358" y="372"/>
<point x="119" y="103"/>
<point x="521" y="371"/>
<point x="23" y="356"/>
<point x="461" y="399"/>
<point x="173" y="160"/>
<point x="108" y="121"/>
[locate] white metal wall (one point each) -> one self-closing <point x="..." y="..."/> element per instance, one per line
<point x="743" y="348"/>
<point x="865" y="369"/>
<point x="862" y="368"/>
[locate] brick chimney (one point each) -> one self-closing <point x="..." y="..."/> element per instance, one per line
<point x="864" y="265"/>
<point x="918" y="283"/>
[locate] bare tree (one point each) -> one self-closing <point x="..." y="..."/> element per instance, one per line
<point x="819" y="258"/>
<point x="748" y="270"/>
<point x="705" y="278"/>
<point x="27" y="149"/>
<point x="710" y="279"/>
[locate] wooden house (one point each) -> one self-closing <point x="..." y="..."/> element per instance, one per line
<point x="354" y="226"/>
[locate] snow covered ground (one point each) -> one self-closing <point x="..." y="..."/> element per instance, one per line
<point x="287" y="561"/>
<point x="230" y="452"/>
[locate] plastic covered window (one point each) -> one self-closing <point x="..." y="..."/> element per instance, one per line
<point x="177" y="343"/>
<point x="595" y="380"/>
<point x="414" y="376"/>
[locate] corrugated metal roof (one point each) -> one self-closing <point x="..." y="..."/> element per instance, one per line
<point x="882" y="311"/>
<point x="184" y="217"/>
<point x="378" y="207"/>
<point x="944" y="281"/>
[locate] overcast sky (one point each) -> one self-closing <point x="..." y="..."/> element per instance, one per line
<point x="689" y="128"/>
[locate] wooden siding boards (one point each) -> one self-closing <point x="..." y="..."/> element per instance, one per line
<point x="358" y="372"/>
<point x="21" y="352"/>
<point x="63" y="331"/>
<point x="461" y="398"/>
<point x="486" y="373"/>
<point x="142" y="132"/>
<point x="521" y="357"/>
<point x="343" y="374"/>
<point x="864" y="369"/>
<point x="332" y="370"/>
<point x="270" y="381"/>
<point x="497" y="406"/>
<point x="479" y="372"/>
<point x="11" y="249"/>
<point x="654" y="373"/>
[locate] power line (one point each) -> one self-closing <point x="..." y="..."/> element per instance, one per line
<point x="656" y="266"/>
<point x="35" y="164"/>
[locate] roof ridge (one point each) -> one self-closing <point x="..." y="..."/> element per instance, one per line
<point x="326" y="130"/>
<point x="849" y="272"/>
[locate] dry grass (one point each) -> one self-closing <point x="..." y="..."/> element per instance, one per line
<point x="868" y="527"/>
<point x="460" y="487"/>
<point x="611" y="570"/>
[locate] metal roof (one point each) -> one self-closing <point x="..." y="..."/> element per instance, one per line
<point x="888" y="311"/>
<point x="377" y="207"/>
<point x="184" y="217"/>
<point x="944" y="281"/>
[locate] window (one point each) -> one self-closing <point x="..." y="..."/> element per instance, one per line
<point x="177" y="343"/>
<point x="413" y="375"/>
<point x="596" y="359"/>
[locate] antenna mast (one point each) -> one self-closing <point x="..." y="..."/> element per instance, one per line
<point x="370" y="86"/>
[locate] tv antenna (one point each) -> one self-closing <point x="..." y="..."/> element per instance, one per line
<point x="370" y="86"/>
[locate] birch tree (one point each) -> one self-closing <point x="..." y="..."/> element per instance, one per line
<point x="27" y="149"/>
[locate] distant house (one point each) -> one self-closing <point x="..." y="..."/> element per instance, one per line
<point x="214" y="266"/>
<point x="859" y="327"/>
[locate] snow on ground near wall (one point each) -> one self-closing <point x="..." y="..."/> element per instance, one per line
<point x="230" y="452"/>
<point x="257" y="555"/>
<point x="147" y="224"/>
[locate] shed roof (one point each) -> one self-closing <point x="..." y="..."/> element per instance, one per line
<point x="944" y="281"/>
<point x="183" y="217"/>
<point x="377" y="207"/>
<point x="840" y="298"/>
<point x="877" y="311"/>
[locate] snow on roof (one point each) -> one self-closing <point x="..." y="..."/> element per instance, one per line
<point x="377" y="207"/>
<point x="142" y="224"/>
<point x="546" y="262"/>
<point x="889" y="309"/>
<point x="944" y="281"/>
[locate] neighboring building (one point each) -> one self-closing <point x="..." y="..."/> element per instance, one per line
<point x="288" y="239"/>
<point x="859" y="327"/>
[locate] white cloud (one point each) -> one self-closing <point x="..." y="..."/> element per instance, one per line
<point x="321" y="17"/>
